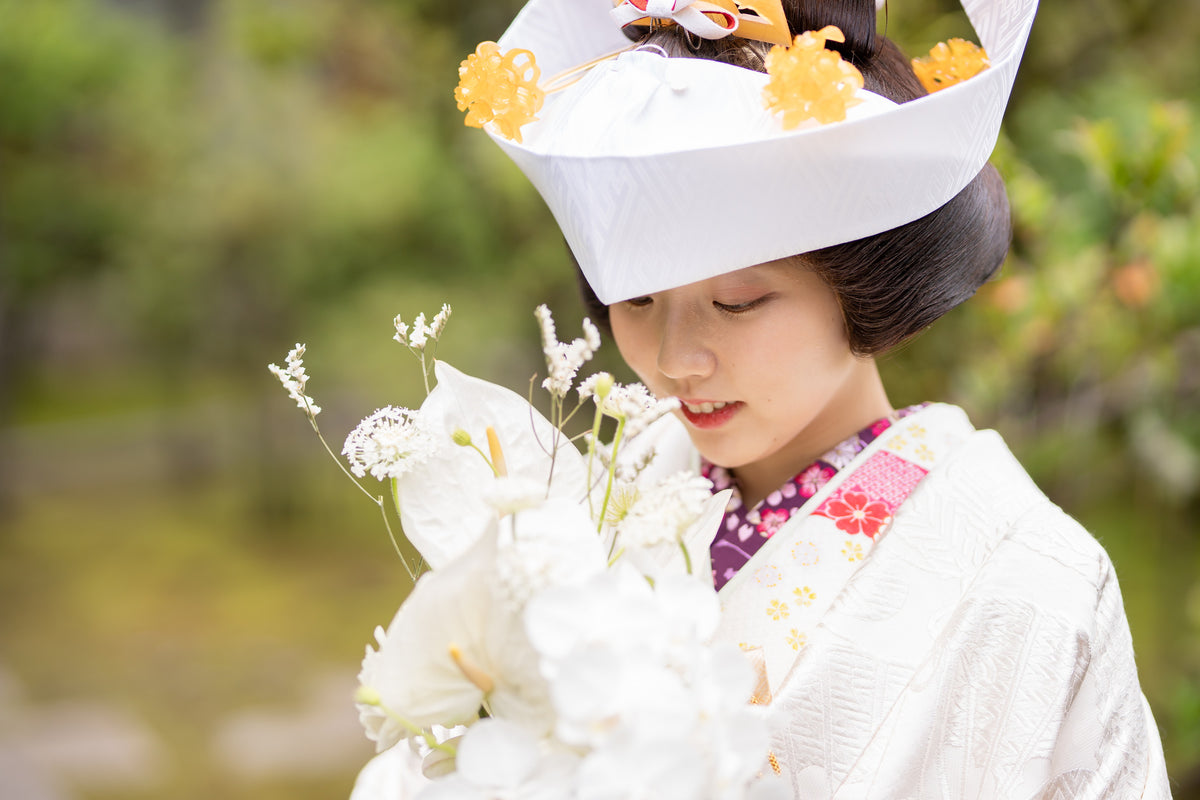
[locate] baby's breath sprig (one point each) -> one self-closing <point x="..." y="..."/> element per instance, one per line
<point x="563" y="360"/>
<point x="419" y="335"/>
<point x="294" y="379"/>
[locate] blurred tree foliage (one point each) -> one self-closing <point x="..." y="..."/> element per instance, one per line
<point x="185" y="187"/>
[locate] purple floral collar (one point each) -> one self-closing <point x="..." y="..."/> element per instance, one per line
<point x="744" y="531"/>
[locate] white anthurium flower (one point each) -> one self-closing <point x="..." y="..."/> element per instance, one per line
<point x="655" y="710"/>
<point x="452" y="645"/>
<point x="616" y="606"/>
<point x="627" y="769"/>
<point x="500" y="759"/>
<point x="604" y="692"/>
<point x="690" y="610"/>
<point x="443" y="507"/>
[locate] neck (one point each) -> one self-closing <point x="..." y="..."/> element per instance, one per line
<point x="860" y="401"/>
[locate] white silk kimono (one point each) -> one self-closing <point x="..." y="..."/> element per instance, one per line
<point x="975" y="647"/>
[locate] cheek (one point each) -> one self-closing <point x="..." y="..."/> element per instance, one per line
<point x="633" y="342"/>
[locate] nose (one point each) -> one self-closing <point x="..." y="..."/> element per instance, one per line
<point x="684" y="351"/>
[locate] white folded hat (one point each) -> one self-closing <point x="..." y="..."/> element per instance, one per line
<point x="666" y="171"/>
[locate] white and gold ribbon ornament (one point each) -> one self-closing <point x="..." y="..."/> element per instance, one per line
<point x="666" y="171"/>
<point x="761" y="20"/>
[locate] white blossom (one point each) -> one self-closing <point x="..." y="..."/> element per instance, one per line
<point x="443" y="505"/>
<point x="293" y="378"/>
<point x="563" y="360"/>
<point x="380" y="726"/>
<point x="499" y="759"/>
<point x="628" y="467"/>
<point x="439" y="322"/>
<point x="633" y="403"/>
<point x="452" y="645"/>
<point x="550" y="545"/>
<point x="652" y="708"/>
<point x="388" y="444"/>
<point x="660" y="514"/>
<point x="420" y="333"/>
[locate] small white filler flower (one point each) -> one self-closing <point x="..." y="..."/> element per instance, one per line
<point x="293" y="377"/>
<point x="632" y="403"/>
<point x="662" y="513"/>
<point x="421" y="332"/>
<point x="563" y="359"/>
<point x="388" y="444"/>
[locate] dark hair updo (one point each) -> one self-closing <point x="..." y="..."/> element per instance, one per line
<point x="894" y="284"/>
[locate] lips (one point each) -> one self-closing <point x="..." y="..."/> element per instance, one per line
<point x="708" y="414"/>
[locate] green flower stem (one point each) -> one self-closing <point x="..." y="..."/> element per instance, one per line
<point x="427" y="736"/>
<point x="434" y="744"/>
<point x="425" y="373"/>
<point x="592" y="453"/>
<point x="687" y="557"/>
<point x="376" y="499"/>
<point x="612" y="471"/>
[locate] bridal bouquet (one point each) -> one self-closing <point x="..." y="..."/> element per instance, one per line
<point x="559" y="646"/>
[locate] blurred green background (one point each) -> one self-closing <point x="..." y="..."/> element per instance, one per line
<point x="188" y="187"/>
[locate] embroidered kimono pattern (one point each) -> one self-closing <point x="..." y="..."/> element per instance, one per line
<point x="796" y="577"/>
<point x="981" y="650"/>
<point x="744" y="530"/>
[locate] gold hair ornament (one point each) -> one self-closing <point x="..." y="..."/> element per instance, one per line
<point x="949" y="63"/>
<point x="806" y="82"/>
<point x="809" y="82"/>
<point x="499" y="88"/>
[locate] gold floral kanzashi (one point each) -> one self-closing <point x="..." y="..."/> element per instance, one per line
<point x="949" y="63"/>
<point x="499" y="87"/>
<point x="810" y="82"/>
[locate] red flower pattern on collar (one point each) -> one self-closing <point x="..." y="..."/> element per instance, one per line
<point x="743" y="531"/>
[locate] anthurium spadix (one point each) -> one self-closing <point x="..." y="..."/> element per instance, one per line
<point x="443" y="506"/>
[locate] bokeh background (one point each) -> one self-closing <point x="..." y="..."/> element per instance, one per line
<point x="188" y="187"/>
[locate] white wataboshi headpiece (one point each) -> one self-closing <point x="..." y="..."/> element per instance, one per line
<point x="666" y="171"/>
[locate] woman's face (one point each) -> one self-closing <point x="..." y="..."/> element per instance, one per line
<point x="761" y="364"/>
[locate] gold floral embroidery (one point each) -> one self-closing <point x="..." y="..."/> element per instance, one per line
<point x="949" y="63"/>
<point x="810" y="82"/>
<point x="853" y="551"/>
<point x="499" y="88"/>
<point x="804" y="596"/>
<point x="898" y="442"/>
<point x="796" y="639"/>
<point x="777" y="610"/>
<point x="923" y="453"/>
<point x="917" y="432"/>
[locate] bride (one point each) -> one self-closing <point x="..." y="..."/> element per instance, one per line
<point x="924" y="622"/>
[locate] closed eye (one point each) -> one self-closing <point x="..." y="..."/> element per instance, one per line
<point x="742" y="308"/>
<point x="639" y="302"/>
